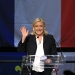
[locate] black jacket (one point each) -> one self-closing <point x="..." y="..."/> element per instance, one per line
<point x="29" y="46"/>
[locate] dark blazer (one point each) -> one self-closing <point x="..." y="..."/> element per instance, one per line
<point x="29" y="46"/>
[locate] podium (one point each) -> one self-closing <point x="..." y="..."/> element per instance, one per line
<point x="40" y="61"/>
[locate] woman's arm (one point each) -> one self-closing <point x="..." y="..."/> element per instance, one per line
<point x="54" y="49"/>
<point x="22" y="45"/>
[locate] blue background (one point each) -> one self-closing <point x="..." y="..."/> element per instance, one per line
<point x="9" y="68"/>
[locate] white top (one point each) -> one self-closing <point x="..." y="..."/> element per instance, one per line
<point x="39" y="52"/>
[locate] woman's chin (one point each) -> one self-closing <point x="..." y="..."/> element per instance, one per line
<point x="39" y="34"/>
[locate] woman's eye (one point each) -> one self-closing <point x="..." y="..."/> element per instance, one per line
<point x="36" y="26"/>
<point x="41" y="26"/>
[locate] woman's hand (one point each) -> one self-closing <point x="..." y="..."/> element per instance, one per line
<point x="48" y="61"/>
<point x="24" y="32"/>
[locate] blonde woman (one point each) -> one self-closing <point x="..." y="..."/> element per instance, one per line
<point x="38" y="43"/>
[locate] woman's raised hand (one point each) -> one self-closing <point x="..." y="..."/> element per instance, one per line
<point x="24" y="31"/>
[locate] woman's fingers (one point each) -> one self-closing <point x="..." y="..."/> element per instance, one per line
<point x="24" y="31"/>
<point x="23" y="28"/>
<point x="48" y="61"/>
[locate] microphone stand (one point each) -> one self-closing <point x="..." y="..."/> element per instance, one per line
<point x="61" y="56"/>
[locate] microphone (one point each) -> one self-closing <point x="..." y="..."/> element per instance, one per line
<point x="61" y="58"/>
<point x="37" y="36"/>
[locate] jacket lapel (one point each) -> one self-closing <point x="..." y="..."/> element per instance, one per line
<point x="45" y="39"/>
<point x="33" y="39"/>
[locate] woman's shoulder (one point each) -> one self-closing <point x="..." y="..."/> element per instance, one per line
<point x="49" y="35"/>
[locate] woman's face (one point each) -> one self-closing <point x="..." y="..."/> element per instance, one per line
<point x="39" y="28"/>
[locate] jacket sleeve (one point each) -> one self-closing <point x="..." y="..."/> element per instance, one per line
<point x="54" y="49"/>
<point x="22" y="47"/>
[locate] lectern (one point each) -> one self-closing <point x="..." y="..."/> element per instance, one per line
<point x="31" y="60"/>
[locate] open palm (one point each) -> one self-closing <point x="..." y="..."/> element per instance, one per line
<point x="24" y="31"/>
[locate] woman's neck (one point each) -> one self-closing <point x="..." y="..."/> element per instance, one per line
<point x="39" y="37"/>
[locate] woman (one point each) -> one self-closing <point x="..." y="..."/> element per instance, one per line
<point x="38" y="43"/>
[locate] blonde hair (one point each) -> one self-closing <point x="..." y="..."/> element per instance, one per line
<point x="38" y="20"/>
